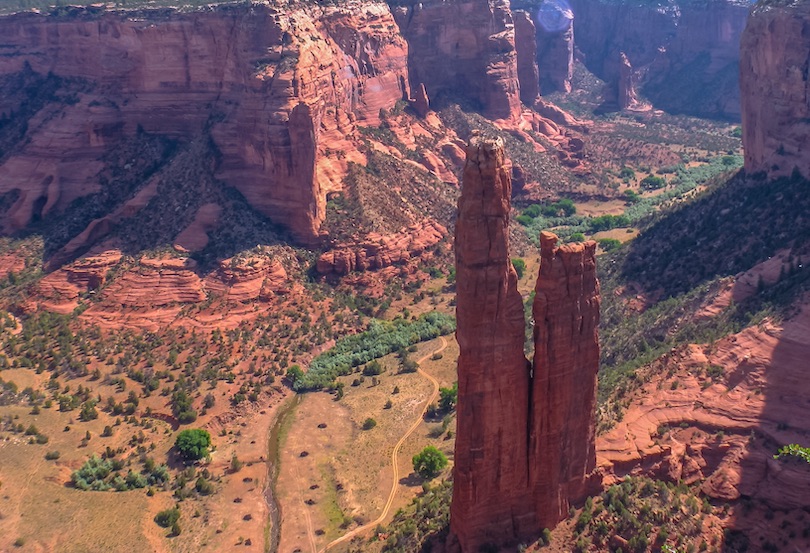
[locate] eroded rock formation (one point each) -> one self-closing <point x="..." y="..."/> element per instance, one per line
<point x="526" y="47"/>
<point x="491" y="503"/>
<point x="377" y="251"/>
<point x="555" y="52"/>
<point x="774" y="82"/>
<point x="525" y="441"/>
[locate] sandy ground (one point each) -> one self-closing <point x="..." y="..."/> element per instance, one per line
<point x="344" y="478"/>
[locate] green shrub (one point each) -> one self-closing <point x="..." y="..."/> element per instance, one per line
<point x="369" y="423"/>
<point x="52" y="455"/>
<point x="380" y="339"/>
<point x="519" y="265"/>
<point x="167" y="517"/>
<point x="609" y="244"/>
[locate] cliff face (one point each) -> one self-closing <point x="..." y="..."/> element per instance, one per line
<point x="524" y="443"/>
<point x="272" y="88"/>
<point x="526" y="47"/>
<point x="774" y="87"/>
<point x="464" y="48"/>
<point x="566" y="360"/>
<point x="555" y="53"/>
<point x="688" y="52"/>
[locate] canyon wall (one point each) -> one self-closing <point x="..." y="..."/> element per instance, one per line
<point x="273" y="89"/>
<point x="464" y="48"/>
<point x="686" y="54"/>
<point x="774" y="85"/>
<point x="525" y="440"/>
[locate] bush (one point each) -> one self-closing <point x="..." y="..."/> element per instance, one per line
<point x="609" y="244"/>
<point x="193" y="444"/>
<point x="381" y="338"/>
<point x="52" y="455"/>
<point x="429" y="462"/>
<point x="203" y="486"/>
<point x="369" y="423"/>
<point x="168" y="517"/>
<point x="448" y="397"/>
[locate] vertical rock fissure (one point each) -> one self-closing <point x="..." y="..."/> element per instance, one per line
<point x="524" y="441"/>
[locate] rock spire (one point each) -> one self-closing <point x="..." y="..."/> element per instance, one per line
<point x="525" y="437"/>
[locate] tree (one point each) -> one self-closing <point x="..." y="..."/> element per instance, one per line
<point x="429" y="462"/>
<point x="448" y="397"/>
<point x="193" y="444"/>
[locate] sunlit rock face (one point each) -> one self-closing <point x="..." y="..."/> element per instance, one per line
<point x="774" y="84"/>
<point x="464" y="49"/>
<point x="274" y="89"/>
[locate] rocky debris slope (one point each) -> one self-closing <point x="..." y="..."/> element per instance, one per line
<point x="524" y="443"/>
<point x="774" y="83"/>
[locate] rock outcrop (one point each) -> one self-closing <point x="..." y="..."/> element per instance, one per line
<point x="774" y="83"/>
<point x="464" y="48"/>
<point x="274" y="88"/>
<point x="627" y="97"/>
<point x="688" y="52"/>
<point x="566" y="359"/>
<point x="377" y="251"/>
<point x="525" y="436"/>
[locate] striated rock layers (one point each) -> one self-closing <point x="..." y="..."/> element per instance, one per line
<point x="687" y="52"/>
<point x="774" y="83"/>
<point x="525" y="437"/>
<point x="275" y="89"/>
<point x="464" y="47"/>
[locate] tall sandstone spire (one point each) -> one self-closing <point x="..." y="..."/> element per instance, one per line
<point x="525" y="439"/>
<point x="491" y="503"/>
<point x="562" y="454"/>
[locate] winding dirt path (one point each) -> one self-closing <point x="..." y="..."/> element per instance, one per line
<point x="394" y="454"/>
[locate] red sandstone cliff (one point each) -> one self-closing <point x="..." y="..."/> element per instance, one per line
<point x="271" y="87"/>
<point x="490" y="476"/>
<point x="562" y="454"/>
<point x="525" y="442"/>
<point x="464" y="48"/>
<point x="774" y="83"/>
<point x="555" y="54"/>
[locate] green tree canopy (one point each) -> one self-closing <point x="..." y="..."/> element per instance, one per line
<point x="429" y="462"/>
<point x="193" y="444"/>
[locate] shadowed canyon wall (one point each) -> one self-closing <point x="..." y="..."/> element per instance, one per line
<point x="686" y="54"/>
<point x="774" y="85"/>
<point x="524" y="442"/>
<point x="464" y="48"/>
